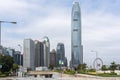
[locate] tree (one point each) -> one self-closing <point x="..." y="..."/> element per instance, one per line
<point x="82" y="67"/>
<point x="113" y="66"/>
<point x="51" y="67"/>
<point x="119" y="67"/>
<point x="104" y="68"/>
<point x="6" y="62"/>
<point x="15" y="67"/>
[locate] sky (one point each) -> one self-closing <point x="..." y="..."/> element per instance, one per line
<point x="38" y="18"/>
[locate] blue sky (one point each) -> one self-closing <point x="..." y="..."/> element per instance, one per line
<point x="38" y="18"/>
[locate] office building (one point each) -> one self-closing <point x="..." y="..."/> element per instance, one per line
<point x="60" y="55"/>
<point x="16" y="57"/>
<point x="46" y="51"/>
<point x="8" y="51"/>
<point x="76" y="45"/>
<point x="39" y="53"/>
<point x="53" y="58"/>
<point x="65" y="62"/>
<point x="29" y="54"/>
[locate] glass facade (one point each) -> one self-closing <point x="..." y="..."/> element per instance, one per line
<point x="39" y="53"/>
<point x="46" y="44"/>
<point x="60" y="56"/>
<point x="77" y="50"/>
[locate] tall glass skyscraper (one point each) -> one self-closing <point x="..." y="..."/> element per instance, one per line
<point x="77" y="49"/>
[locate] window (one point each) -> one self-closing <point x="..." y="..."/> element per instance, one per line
<point x="75" y="46"/>
<point x="75" y="19"/>
<point x="75" y="29"/>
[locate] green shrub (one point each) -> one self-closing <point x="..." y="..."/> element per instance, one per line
<point x="69" y="72"/>
<point x="91" y="70"/>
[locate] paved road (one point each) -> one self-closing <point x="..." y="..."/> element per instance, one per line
<point x="67" y="78"/>
<point x="64" y="77"/>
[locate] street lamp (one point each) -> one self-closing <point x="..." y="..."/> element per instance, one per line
<point x="0" y="27"/>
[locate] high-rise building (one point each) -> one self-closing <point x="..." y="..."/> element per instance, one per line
<point x="76" y="46"/>
<point x="29" y="54"/>
<point x="39" y="54"/>
<point x="10" y="52"/>
<point x="46" y="45"/>
<point x="21" y="62"/>
<point x="53" y="58"/>
<point x="60" y="55"/>
<point x="65" y="62"/>
<point x="16" y="57"/>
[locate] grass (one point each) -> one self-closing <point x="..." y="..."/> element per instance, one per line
<point x="108" y="75"/>
<point x="4" y="74"/>
<point x="104" y="74"/>
<point x="69" y="72"/>
<point x="57" y="70"/>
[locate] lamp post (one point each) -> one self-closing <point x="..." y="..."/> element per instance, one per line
<point x="0" y="27"/>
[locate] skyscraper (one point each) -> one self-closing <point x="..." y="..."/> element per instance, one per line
<point x="39" y="53"/>
<point x="53" y="58"/>
<point x="29" y="54"/>
<point x="65" y="62"/>
<point x="46" y="50"/>
<point x="77" y="49"/>
<point x="60" y="55"/>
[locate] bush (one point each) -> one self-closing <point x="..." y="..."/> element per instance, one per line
<point x="91" y="70"/>
<point x="82" y="71"/>
<point x="4" y="75"/>
<point x="69" y="72"/>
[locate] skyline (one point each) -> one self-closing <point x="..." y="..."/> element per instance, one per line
<point x="100" y="25"/>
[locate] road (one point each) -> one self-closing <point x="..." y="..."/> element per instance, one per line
<point x="67" y="78"/>
<point x="63" y="77"/>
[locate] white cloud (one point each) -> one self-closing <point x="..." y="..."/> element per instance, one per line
<point x="100" y="33"/>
